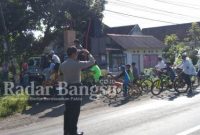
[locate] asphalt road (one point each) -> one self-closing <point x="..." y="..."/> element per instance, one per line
<point x="150" y="117"/>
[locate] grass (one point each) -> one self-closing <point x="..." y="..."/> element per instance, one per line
<point x="13" y="104"/>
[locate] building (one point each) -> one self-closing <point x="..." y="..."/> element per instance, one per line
<point x="181" y="30"/>
<point x="126" y="49"/>
<point x="126" y="30"/>
<point x="114" y="49"/>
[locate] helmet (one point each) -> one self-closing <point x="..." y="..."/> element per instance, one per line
<point x="159" y="58"/>
<point x="122" y="67"/>
<point x="184" y="55"/>
<point x="52" y="52"/>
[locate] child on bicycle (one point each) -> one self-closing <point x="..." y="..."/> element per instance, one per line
<point x="130" y="73"/>
<point x="126" y="79"/>
<point x="169" y="71"/>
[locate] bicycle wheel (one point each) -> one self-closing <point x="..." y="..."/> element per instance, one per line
<point x="198" y="81"/>
<point x="157" y="87"/>
<point x="168" y="85"/>
<point x="195" y="81"/>
<point x="112" y="92"/>
<point x="146" y="85"/>
<point x="134" y="91"/>
<point x="180" y="86"/>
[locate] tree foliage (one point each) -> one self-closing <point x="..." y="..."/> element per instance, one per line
<point x="174" y="49"/>
<point x="49" y="16"/>
<point x="171" y="39"/>
<point x="169" y="52"/>
<point x="194" y="33"/>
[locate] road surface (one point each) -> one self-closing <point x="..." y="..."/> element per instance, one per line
<point x="150" y="117"/>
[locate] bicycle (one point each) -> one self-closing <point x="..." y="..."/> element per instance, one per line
<point x="115" y="89"/>
<point x="145" y="83"/>
<point x="180" y="85"/>
<point x="162" y="83"/>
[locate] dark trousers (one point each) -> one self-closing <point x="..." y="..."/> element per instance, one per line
<point x="56" y="67"/>
<point x="187" y="79"/>
<point x="125" y="90"/>
<point x="5" y="76"/>
<point x="71" y="114"/>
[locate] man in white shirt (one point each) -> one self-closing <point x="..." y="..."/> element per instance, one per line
<point x="55" y="57"/>
<point x="188" y="70"/>
<point x="57" y="62"/>
<point x="161" y="64"/>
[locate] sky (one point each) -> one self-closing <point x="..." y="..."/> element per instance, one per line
<point x="164" y="12"/>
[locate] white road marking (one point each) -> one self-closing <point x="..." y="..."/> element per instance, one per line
<point x="189" y="131"/>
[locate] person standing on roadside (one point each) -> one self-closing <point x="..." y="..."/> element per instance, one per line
<point x="77" y="44"/>
<point x="135" y="72"/>
<point x="71" y="70"/>
<point x="130" y="73"/>
<point x="57" y="62"/>
<point x="13" y="70"/>
<point x="5" y="69"/>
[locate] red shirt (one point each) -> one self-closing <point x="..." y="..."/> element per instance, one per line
<point x="24" y="66"/>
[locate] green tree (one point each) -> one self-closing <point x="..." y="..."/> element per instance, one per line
<point x="169" y="52"/>
<point x="55" y="15"/>
<point x="174" y="49"/>
<point x="49" y="16"/>
<point x="171" y="39"/>
<point x="19" y="21"/>
<point x="194" y="33"/>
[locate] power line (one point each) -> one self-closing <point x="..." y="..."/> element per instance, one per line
<point x="140" y="17"/>
<point x="146" y="10"/>
<point x="190" y="4"/>
<point x="130" y="3"/>
<point x="178" y="4"/>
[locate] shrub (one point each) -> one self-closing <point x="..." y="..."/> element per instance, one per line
<point x="13" y="104"/>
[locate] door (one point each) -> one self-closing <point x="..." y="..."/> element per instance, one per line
<point x="136" y="59"/>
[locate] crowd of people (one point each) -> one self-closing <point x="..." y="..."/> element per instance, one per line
<point x="187" y="67"/>
<point x="78" y="60"/>
<point x="9" y="70"/>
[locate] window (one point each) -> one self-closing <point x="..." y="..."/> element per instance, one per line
<point x="117" y="60"/>
<point x="150" y="60"/>
<point x="103" y="58"/>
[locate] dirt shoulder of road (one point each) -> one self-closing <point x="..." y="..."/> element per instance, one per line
<point x="42" y="111"/>
<point x="48" y="110"/>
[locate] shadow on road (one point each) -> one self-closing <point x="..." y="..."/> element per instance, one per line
<point x="170" y="96"/>
<point x="41" y="106"/>
<point x="50" y="108"/>
<point x="121" y="101"/>
<point x="194" y="93"/>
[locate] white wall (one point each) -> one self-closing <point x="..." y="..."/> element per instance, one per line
<point x="128" y="57"/>
<point x="141" y="52"/>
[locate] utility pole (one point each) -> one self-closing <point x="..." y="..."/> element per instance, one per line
<point x="5" y="44"/>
